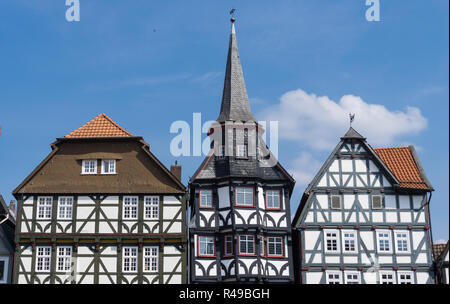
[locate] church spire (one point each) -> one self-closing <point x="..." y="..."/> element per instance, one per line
<point x="235" y="105"/>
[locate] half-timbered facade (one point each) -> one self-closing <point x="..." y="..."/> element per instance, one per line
<point x="364" y="218"/>
<point x="7" y="227"/>
<point x="441" y="262"/>
<point x="239" y="197"/>
<point x="100" y="208"/>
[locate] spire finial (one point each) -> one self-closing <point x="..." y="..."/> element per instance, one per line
<point x="232" y="11"/>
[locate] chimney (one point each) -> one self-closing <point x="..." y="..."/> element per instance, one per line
<point x="176" y="170"/>
<point x="12" y="207"/>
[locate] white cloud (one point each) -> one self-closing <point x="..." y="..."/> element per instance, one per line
<point x="319" y="122"/>
<point x="304" y="168"/>
<point x="441" y="241"/>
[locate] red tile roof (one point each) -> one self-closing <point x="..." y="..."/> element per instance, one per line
<point x="402" y="164"/>
<point x="100" y="126"/>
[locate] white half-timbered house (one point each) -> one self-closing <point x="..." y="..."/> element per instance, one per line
<point x="239" y="198"/>
<point x="364" y="218"/>
<point x="7" y="227"/>
<point x="100" y="209"/>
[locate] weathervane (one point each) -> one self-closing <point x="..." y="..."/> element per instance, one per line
<point x="232" y="11"/>
<point x="352" y="117"/>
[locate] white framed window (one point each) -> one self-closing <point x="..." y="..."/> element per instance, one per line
<point x="352" y="277"/>
<point x="89" y="166"/>
<point x="151" y="207"/>
<point x="387" y="277"/>
<point x="333" y="277"/>
<point x="205" y="198"/>
<point x="246" y="244"/>
<point x="109" y="166"/>
<point x="377" y="202"/>
<point x="64" y="258"/>
<point x="4" y="260"/>
<point x="402" y="242"/>
<point x="349" y="241"/>
<point x="45" y="207"/>
<point x="130" y="207"/>
<point x="228" y="244"/>
<point x="336" y="202"/>
<point x="244" y="196"/>
<point x="275" y="246"/>
<point x="242" y="151"/>
<point x="331" y="241"/>
<point x="151" y="259"/>
<point x="273" y="199"/>
<point x="206" y="246"/>
<point x="43" y="258"/>
<point x="405" y="277"/>
<point x="384" y="242"/>
<point x="129" y="259"/>
<point x="65" y="207"/>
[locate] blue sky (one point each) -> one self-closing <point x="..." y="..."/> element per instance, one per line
<point x="149" y="63"/>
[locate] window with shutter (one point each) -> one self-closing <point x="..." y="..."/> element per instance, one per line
<point x="335" y="202"/>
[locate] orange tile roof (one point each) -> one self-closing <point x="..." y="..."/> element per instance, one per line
<point x="401" y="163"/>
<point x="100" y="126"/>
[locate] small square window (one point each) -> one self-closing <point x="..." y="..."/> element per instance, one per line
<point x="335" y="202"/>
<point x="206" y="199"/>
<point x="273" y="199"/>
<point x="206" y="246"/>
<point x="377" y="202"/>
<point x="244" y="196"/>
<point x="108" y="166"/>
<point x="89" y="166"/>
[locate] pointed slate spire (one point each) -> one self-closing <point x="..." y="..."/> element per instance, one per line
<point x="235" y="105"/>
<point x="351" y="133"/>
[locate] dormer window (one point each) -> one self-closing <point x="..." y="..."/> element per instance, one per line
<point x="108" y="166"/>
<point x="89" y="166"/>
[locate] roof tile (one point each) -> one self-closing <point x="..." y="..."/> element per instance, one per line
<point x="100" y="126"/>
<point x="401" y="163"/>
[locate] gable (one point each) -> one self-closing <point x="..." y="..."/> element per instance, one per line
<point x="353" y="165"/>
<point x="138" y="171"/>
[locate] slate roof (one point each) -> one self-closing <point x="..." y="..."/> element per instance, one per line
<point x="7" y="228"/>
<point x="351" y="133"/>
<point x="235" y="105"/>
<point x="100" y="126"/>
<point x="404" y="163"/>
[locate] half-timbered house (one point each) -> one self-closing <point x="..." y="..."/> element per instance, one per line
<point x="441" y="262"/>
<point x="100" y="208"/>
<point x="239" y="197"/>
<point x="7" y="227"/>
<point x="364" y="218"/>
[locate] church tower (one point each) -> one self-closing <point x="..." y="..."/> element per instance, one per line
<point x="239" y="197"/>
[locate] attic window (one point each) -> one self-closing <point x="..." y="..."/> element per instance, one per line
<point x="89" y="166"/>
<point x="377" y="202"/>
<point x="108" y="166"/>
<point x="335" y="202"/>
